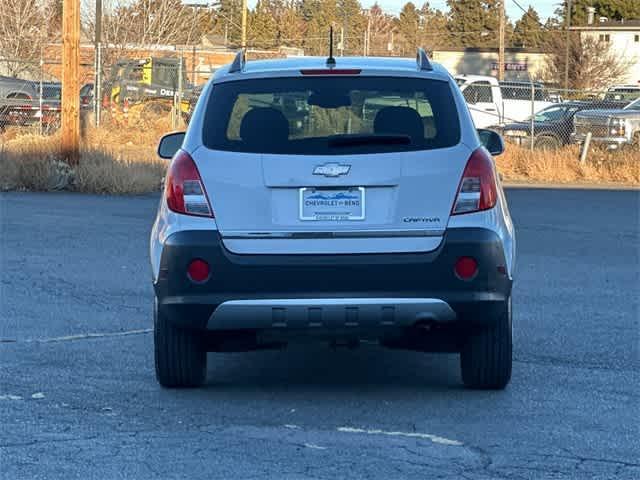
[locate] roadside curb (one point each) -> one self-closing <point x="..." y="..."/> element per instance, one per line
<point x="571" y="186"/>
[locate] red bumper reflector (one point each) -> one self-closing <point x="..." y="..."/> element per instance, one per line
<point x="466" y="268"/>
<point x="198" y="271"/>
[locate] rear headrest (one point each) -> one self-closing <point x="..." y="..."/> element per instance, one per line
<point x="264" y="126"/>
<point x="399" y="121"/>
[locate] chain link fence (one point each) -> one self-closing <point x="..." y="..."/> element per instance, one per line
<point x="158" y="90"/>
<point x="31" y="96"/>
<point x="533" y="116"/>
<point x="120" y="89"/>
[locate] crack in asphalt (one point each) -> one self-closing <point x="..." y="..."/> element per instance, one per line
<point x="32" y="443"/>
<point x="563" y="362"/>
<point x="80" y="336"/>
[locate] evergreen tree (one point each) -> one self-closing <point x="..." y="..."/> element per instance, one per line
<point x="228" y="20"/>
<point x="408" y="25"/>
<point x="473" y="22"/>
<point x="351" y="18"/>
<point x="291" y="24"/>
<point x="262" y="24"/>
<point x="433" y="28"/>
<point x="528" y="30"/>
<point x="321" y="15"/>
<point x="612" y="9"/>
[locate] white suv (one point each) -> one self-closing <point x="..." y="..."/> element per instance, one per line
<point x="332" y="201"/>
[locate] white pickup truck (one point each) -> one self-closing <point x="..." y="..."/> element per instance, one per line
<point x="496" y="103"/>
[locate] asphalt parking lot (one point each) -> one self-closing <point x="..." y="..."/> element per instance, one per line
<point x="78" y="398"/>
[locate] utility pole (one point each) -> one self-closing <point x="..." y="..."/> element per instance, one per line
<point x="244" y="26"/>
<point x="501" y="61"/>
<point x="368" y="32"/>
<point x="97" y="45"/>
<point x="98" y="36"/>
<point x="70" y="145"/>
<point x="567" y="41"/>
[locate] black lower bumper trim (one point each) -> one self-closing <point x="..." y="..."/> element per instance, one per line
<point x="406" y="275"/>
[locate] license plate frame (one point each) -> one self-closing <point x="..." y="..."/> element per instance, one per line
<point x="341" y="212"/>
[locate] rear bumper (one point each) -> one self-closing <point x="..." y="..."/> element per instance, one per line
<point x="328" y="313"/>
<point x="364" y="291"/>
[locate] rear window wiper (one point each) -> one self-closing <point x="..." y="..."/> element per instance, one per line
<point x="356" y="140"/>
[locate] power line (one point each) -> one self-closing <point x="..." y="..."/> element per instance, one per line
<point x="528" y="14"/>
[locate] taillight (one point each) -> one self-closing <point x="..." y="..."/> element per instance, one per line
<point x="478" y="190"/>
<point x="184" y="190"/>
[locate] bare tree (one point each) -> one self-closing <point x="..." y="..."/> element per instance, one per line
<point x="24" y="26"/>
<point x="592" y="63"/>
<point x="148" y="22"/>
<point x="381" y="27"/>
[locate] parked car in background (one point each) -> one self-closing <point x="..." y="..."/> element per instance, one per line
<point x="50" y="108"/>
<point x="16" y="102"/>
<point x="552" y="127"/>
<point x="24" y="103"/>
<point x="625" y="93"/>
<point x="555" y="97"/>
<point x="610" y="128"/>
<point x="86" y="96"/>
<point x="495" y="103"/>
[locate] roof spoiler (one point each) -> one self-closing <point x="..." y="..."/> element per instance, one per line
<point x="238" y="62"/>
<point x="423" y="60"/>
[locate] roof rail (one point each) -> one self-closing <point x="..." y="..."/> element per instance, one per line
<point x="238" y="62"/>
<point x="423" y="60"/>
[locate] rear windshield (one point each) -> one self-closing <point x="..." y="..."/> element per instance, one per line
<point x="331" y="115"/>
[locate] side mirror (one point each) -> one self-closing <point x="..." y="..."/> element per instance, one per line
<point x="170" y="144"/>
<point x="492" y="141"/>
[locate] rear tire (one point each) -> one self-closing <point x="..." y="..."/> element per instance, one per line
<point x="180" y="358"/>
<point x="486" y="356"/>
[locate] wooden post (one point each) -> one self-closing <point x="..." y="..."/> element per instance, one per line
<point x="501" y="33"/>
<point x="585" y="148"/>
<point x="70" y="147"/>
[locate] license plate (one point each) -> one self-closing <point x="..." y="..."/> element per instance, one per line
<point x="332" y="204"/>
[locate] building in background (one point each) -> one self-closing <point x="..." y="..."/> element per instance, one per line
<point x="623" y="38"/>
<point x="520" y="63"/>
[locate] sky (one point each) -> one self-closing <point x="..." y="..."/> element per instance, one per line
<point x="545" y="8"/>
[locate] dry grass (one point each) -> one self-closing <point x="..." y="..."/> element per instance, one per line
<point x="120" y="160"/>
<point x="562" y="166"/>
<point x="112" y="162"/>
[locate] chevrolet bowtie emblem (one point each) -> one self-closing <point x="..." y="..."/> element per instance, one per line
<point x="331" y="169"/>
